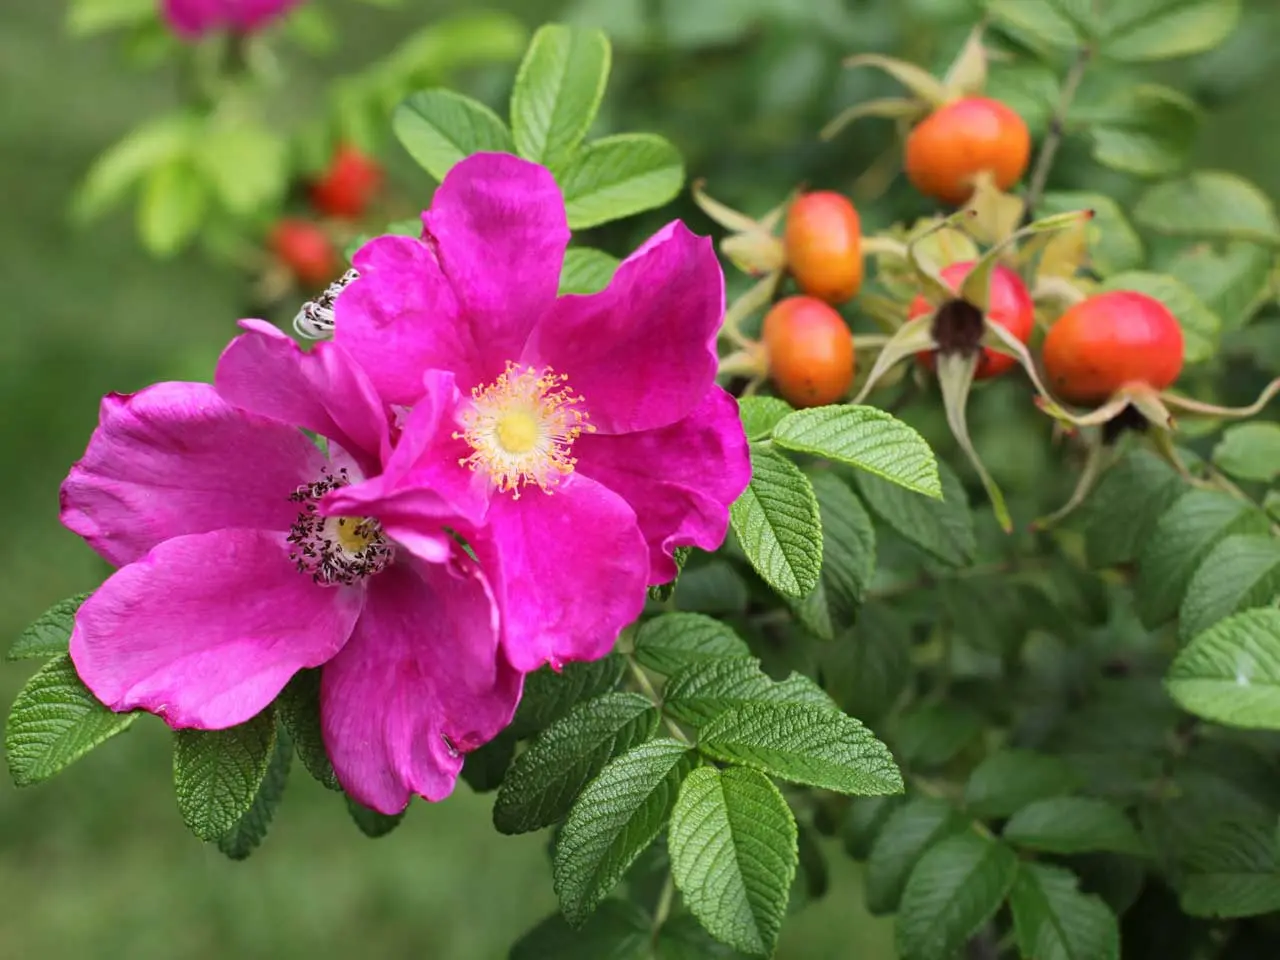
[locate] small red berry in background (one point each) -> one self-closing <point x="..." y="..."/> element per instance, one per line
<point x="346" y="189"/>
<point x="823" y="239"/>
<point x="1109" y="341"/>
<point x="306" y="250"/>
<point x="1009" y="304"/>
<point x="810" y="351"/>
<point x="955" y="143"/>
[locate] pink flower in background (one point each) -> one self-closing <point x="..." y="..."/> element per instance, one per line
<point x="582" y="437"/>
<point x="231" y="579"/>
<point x="194" y="18"/>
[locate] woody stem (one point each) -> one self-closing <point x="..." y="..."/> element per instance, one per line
<point x="1057" y="130"/>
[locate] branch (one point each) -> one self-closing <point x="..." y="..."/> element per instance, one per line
<point x="1057" y="130"/>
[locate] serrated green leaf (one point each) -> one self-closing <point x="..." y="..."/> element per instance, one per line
<point x="1113" y="243"/>
<point x="761" y="414"/>
<point x="1053" y="920"/>
<point x="865" y="669"/>
<point x="438" y="128"/>
<point x="299" y="708"/>
<point x="955" y="888"/>
<point x="245" y="163"/>
<point x="1231" y="672"/>
<point x="50" y="633"/>
<point x="370" y="822"/>
<point x="217" y="773"/>
<point x="545" y="780"/>
<point x="733" y="855"/>
<point x="1232" y="871"/>
<point x="1037" y="23"/>
<point x="616" y="931"/>
<point x="669" y="642"/>
<point x="55" y="721"/>
<point x="702" y="691"/>
<point x="1250" y="451"/>
<point x="1007" y="781"/>
<point x="586" y="270"/>
<point x="1201" y="328"/>
<point x="713" y="587"/>
<point x="1162" y="30"/>
<point x="1183" y="537"/>
<point x="155" y="143"/>
<point x="558" y="91"/>
<point x="172" y="207"/>
<point x="1233" y="281"/>
<point x="246" y="836"/>
<point x="1073" y="825"/>
<point x="1211" y="204"/>
<point x="863" y="821"/>
<point x="848" y="559"/>
<point x="1242" y="571"/>
<point x="909" y="830"/>
<point x="549" y="695"/>
<point x="942" y="528"/>
<point x="1143" y="129"/>
<point x="805" y="744"/>
<point x="930" y="735"/>
<point x="619" y="176"/>
<point x="866" y="438"/>
<point x="614" y="820"/>
<point x="1124" y="509"/>
<point x="778" y="525"/>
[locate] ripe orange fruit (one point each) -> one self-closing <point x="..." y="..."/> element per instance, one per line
<point x="956" y="142"/>
<point x="306" y="250"/>
<point x="1010" y="305"/>
<point x="810" y="351"/>
<point x="823" y="240"/>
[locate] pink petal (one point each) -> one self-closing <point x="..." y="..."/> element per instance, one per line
<point x="501" y="231"/>
<point x="420" y="683"/>
<point x="176" y="458"/>
<point x="642" y="351"/>
<point x="680" y="480"/>
<point x="323" y="390"/>
<point x="206" y="629"/>
<point x="569" y="568"/>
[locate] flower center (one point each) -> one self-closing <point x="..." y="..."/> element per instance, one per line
<point x="521" y="428"/>
<point x="335" y="550"/>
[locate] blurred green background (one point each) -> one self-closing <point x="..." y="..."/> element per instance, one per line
<point x="96" y="862"/>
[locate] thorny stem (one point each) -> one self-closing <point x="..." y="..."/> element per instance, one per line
<point x="1057" y="130"/>
<point x="646" y="687"/>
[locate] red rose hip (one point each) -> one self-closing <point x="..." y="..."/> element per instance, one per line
<point x="306" y="250"/>
<point x="950" y="147"/>
<point x="823" y="240"/>
<point x="810" y="351"/>
<point x="1009" y="305"/>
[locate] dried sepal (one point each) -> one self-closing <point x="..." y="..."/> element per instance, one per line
<point x="892" y="108"/>
<point x="912" y="337"/>
<point x="955" y="379"/>
<point x="967" y="74"/>
<point x="919" y="81"/>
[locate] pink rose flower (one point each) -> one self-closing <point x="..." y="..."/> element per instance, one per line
<point x="582" y="439"/>
<point x="192" y="19"/>
<point x="231" y="579"/>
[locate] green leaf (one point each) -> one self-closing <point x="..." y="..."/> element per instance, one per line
<point x="713" y="587"/>
<point x="55" y="721"/>
<point x="439" y="127"/>
<point x="50" y="633"/>
<point x="1233" y="281"/>
<point x="246" y="164"/>
<point x="864" y="670"/>
<point x="910" y="830"/>
<point x="619" y="176"/>
<point x="863" y="821"/>
<point x="955" y="888"/>
<point x="1230" y="674"/>
<point x="485" y="767"/>
<point x="1240" y="572"/>
<point x="1007" y="781"/>
<point x="370" y="822"/>
<point x="1053" y="920"/>
<point x="1113" y="242"/>
<point x="1143" y="129"/>
<point x="733" y="855"/>
<point x="299" y="708"/>
<point x="156" y="142"/>
<point x="1124" y="509"/>
<point x="87" y="17"/>
<point x="1037" y="23"/>
<point x="549" y="695"/>
<point x="930" y="735"/>
<point x="803" y="743"/>
<point x="761" y="414"/>
<point x="558" y="91"/>
<point x="672" y="641"/>
<point x="866" y="438"/>
<point x="173" y="204"/>
<point x="1073" y="825"/>
<point x="1182" y="539"/>
<point x="586" y="270"/>
<point x="1163" y="29"/>
<point x="683" y="938"/>
<point x="545" y="780"/>
<point x="217" y="773"/>
<point x="245" y="837"/>
<point x="942" y="528"/>
<point x="614" y="820"/>
<point x="1200" y="326"/>
<point x="702" y="691"/>
<point x="1232" y="871"/>
<point x="1248" y="451"/>
<point x="777" y="522"/>
<point x="1211" y="204"/>
<point x="617" y="931"/>
<point x="848" y="559"/>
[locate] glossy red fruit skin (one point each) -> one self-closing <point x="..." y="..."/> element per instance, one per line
<point x="951" y="146"/>
<point x="823" y="240"/>
<point x="1011" y="307"/>
<point x="810" y="351"/>
<point x="1108" y="341"/>
<point x="306" y="250"/>
<point x="348" y="186"/>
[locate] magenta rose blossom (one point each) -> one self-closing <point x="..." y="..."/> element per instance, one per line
<point x="194" y="18"/>
<point x="582" y="437"/>
<point x="231" y="580"/>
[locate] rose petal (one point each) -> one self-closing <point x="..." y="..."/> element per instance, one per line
<point x="680" y="480"/>
<point x="420" y="683"/>
<point x="569" y="568"/>
<point x="176" y="458"/>
<point x="207" y="628"/>
<point x="642" y="351"/>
